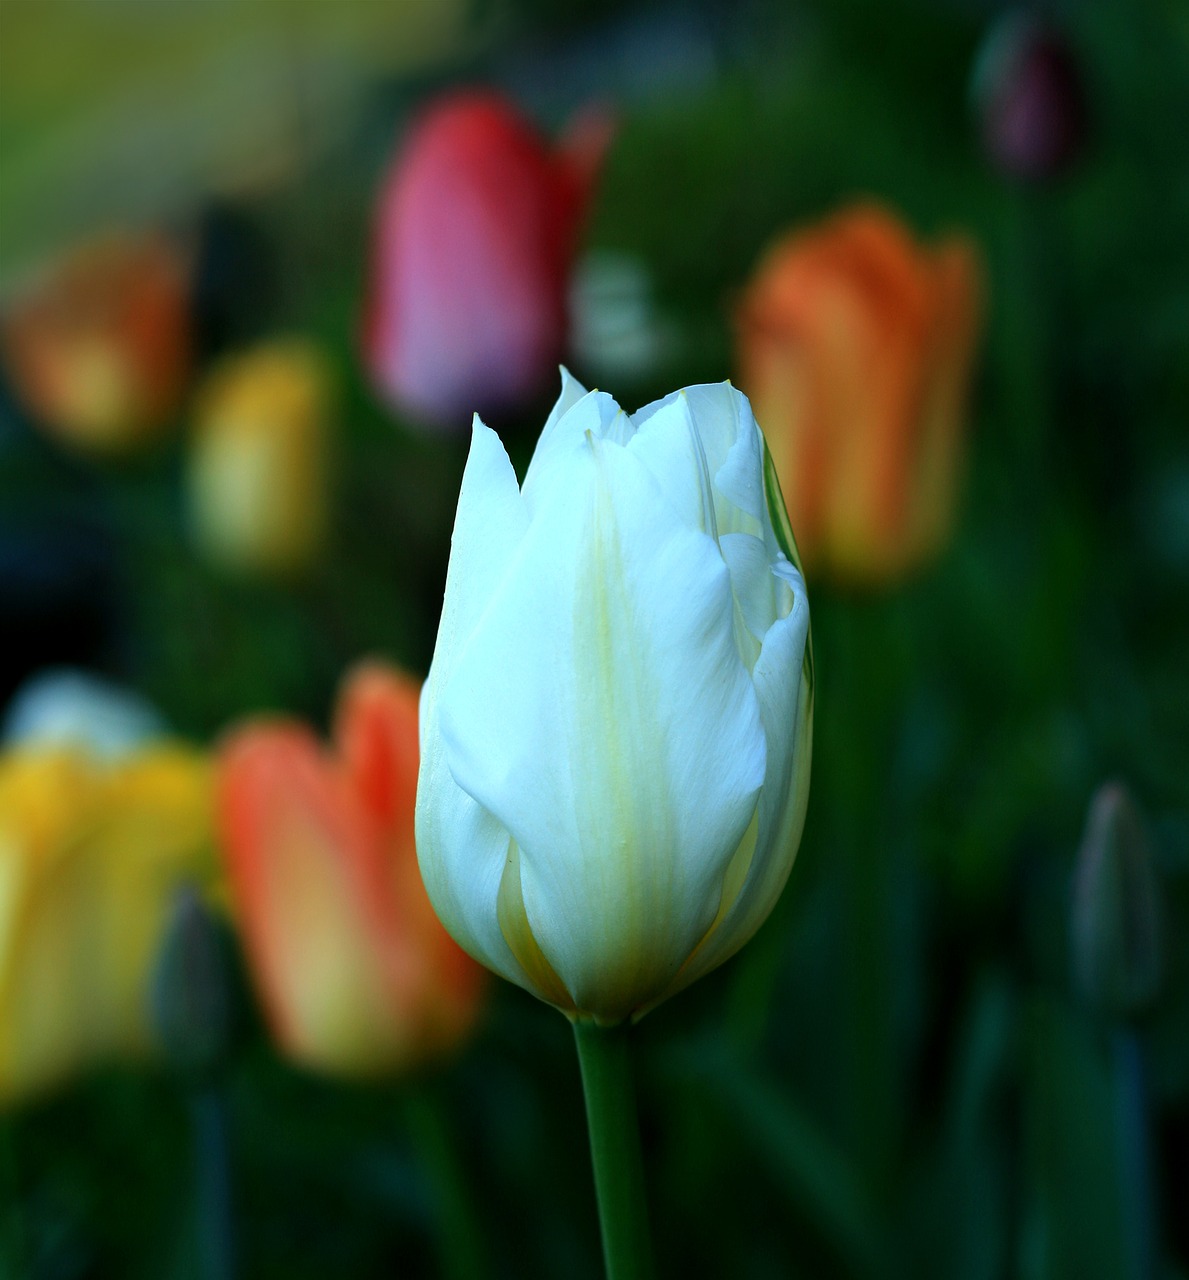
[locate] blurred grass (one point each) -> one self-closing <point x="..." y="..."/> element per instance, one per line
<point x="144" y="106"/>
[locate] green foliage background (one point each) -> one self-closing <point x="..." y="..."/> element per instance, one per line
<point x="895" y="1078"/>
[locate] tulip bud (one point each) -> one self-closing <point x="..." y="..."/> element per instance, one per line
<point x="616" y="726"/>
<point x="258" y="459"/>
<point x="475" y="233"/>
<point x="356" y="975"/>
<point x="90" y="854"/>
<point x="1115" y="927"/>
<point x="99" y="349"/>
<point x="191" y="990"/>
<point x="855" y="345"/>
<point x="1030" y="100"/>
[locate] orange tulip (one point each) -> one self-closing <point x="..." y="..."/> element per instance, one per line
<point x="99" y="349"/>
<point x="354" y="971"/>
<point x="855" y="345"/>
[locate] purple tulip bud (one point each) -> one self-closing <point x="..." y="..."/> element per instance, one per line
<point x="1030" y="99"/>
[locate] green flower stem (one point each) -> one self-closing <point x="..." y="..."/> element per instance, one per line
<point x="1028" y="256"/>
<point x="460" y="1250"/>
<point x="1135" y="1162"/>
<point x="871" y="684"/>
<point x="208" y="1119"/>
<point x="13" y="1253"/>
<point x="604" y="1054"/>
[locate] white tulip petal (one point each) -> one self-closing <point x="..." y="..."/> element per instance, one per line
<point x="732" y="445"/>
<point x="601" y="713"/>
<point x="786" y="705"/>
<point x="461" y="849"/>
<point x="753" y="582"/>
<point x="704" y="404"/>
<point x="666" y="442"/>
<point x="789" y="586"/>
<point x="715" y="409"/>
<point x="642" y="416"/>
<point x="597" y="414"/>
<point x="571" y="392"/>
<point x="490" y="522"/>
<point x="740" y="479"/>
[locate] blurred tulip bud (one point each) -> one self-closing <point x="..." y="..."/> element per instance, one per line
<point x="192" y="1000"/>
<point x="90" y="855"/>
<point x="475" y="233"/>
<point x="64" y="707"/>
<point x="618" y="720"/>
<point x="259" y="454"/>
<point x="854" y="345"/>
<point x="1028" y="93"/>
<point x="99" y="348"/>
<point x="356" y="975"/>
<point x="1115" y="927"/>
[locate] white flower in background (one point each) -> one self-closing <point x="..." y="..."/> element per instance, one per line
<point x="617" y="330"/>
<point x="616" y="729"/>
<point x="62" y="707"/>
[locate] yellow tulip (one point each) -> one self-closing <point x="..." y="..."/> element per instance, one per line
<point x="258" y="459"/>
<point x="90" y="856"/>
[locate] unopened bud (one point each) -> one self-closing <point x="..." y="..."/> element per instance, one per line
<point x="1115" y="927"/>
<point x="1030" y="99"/>
<point x="192" y="1005"/>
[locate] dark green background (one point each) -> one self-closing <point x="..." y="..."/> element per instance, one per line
<point x="895" y="1079"/>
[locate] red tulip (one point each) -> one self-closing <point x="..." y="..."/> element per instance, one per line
<point x="355" y="973"/>
<point x="474" y="238"/>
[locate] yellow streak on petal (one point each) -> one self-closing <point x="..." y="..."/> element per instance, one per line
<point x="518" y="934"/>
<point x="733" y="881"/>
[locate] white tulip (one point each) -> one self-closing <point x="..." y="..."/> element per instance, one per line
<point x="616" y="729"/>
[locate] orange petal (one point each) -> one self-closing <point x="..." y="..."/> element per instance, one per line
<point x="307" y="871"/>
<point x="376" y="732"/>
<point x="433" y="983"/>
<point x="854" y="345"/>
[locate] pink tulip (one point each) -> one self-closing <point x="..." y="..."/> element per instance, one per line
<point x="474" y="238"/>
